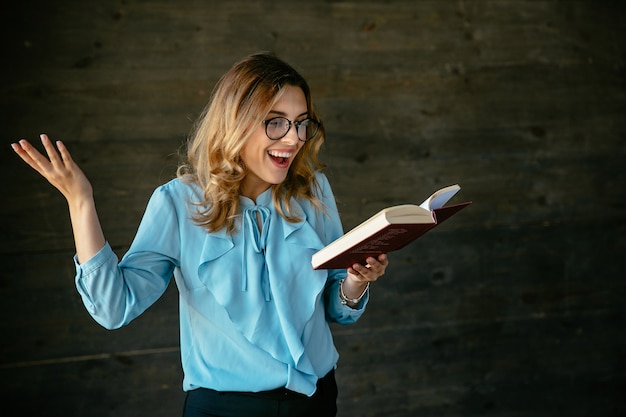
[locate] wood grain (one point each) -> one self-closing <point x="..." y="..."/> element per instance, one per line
<point x="513" y="308"/>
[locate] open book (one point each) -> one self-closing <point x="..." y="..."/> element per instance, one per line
<point x="388" y="230"/>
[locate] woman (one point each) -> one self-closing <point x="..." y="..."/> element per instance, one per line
<point x="237" y="229"/>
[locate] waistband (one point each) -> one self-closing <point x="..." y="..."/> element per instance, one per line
<point x="282" y="393"/>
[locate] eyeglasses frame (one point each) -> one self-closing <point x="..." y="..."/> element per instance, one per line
<point x="296" y="124"/>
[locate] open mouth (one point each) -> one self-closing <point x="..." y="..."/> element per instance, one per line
<point x="280" y="158"/>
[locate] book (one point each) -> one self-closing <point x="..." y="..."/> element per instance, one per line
<point x="388" y="230"/>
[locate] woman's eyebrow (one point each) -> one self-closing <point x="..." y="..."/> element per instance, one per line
<point x="283" y="114"/>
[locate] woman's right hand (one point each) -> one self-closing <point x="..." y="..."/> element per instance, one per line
<point x="58" y="168"/>
<point x="63" y="173"/>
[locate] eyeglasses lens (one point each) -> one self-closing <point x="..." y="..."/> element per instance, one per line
<point x="307" y="129"/>
<point x="276" y="128"/>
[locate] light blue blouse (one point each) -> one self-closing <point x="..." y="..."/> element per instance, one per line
<point x="254" y="315"/>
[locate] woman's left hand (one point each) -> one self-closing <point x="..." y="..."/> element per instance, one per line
<point x="359" y="277"/>
<point x="374" y="269"/>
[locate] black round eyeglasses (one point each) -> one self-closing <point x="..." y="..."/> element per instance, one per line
<point x="277" y="127"/>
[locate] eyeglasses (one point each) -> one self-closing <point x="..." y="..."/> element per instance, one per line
<point x="277" y="128"/>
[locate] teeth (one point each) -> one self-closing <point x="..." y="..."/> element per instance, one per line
<point x="280" y="154"/>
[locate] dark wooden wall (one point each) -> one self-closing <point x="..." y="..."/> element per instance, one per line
<point x="513" y="308"/>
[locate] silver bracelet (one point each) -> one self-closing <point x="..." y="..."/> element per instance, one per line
<point x="345" y="300"/>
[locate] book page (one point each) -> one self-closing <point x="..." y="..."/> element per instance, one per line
<point x="440" y="197"/>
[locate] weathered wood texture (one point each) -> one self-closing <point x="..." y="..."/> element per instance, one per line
<point x="514" y="308"/>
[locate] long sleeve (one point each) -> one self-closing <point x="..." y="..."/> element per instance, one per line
<point x="116" y="293"/>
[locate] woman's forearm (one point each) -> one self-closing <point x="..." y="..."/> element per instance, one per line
<point x="88" y="235"/>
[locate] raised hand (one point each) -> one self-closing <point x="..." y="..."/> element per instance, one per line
<point x="62" y="172"/>
<point x="58" y="168"/>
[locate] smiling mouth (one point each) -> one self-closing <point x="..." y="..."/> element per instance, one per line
<point x="280" y="158"/>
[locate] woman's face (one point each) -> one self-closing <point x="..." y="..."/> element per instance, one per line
<point x="267" y="161"/>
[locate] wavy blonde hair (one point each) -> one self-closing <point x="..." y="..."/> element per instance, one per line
<point x="240" y="101"/>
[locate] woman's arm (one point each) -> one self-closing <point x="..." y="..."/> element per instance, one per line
<point x="356" y="278"/>
<point x="63" y="173"/>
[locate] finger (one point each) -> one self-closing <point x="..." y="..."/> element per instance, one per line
<point x="375" y="265"/>
<point x="29" y="154"/>
<point x="355" y="273"/>
<point x="363" y="273"/>
<point x="50" y="150"/>
<point x="44" y="164"/>
<point x="381" y="261"/>
<point x="20" y="150"/>
<point x="65" y="154"/>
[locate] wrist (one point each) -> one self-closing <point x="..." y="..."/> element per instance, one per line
<point x="348" y="297"/>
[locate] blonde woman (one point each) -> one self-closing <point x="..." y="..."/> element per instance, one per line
<point x="236" y="229"/>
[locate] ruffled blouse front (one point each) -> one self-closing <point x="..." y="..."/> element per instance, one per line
<point x="253" y="313"/>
